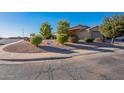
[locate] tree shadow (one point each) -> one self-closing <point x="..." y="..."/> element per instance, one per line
<point x="97" y="44"/>
<point x="77" y="46"/>
<point x="120" y="47"/>
<point x="55" y="49"/>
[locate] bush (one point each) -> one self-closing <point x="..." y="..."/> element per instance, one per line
<point x="36" y="40"/>
<point x="98" y="40"/>
<point x="88" y="39"/>
<point x="73" y="39"/>
<point x="62" y="38"/>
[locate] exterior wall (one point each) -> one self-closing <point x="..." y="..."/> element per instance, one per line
<point x="95" y="34"/>
<point x="92" y="33"/>
<point x="84" y="34"/>
<point x="75" y="32"/>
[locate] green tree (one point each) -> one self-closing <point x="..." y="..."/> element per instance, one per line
<point x="45" y="30"/>
<point x="112" y="27"/>
<point x="63" y="27"/>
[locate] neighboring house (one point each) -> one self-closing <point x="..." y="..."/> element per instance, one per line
<point x="85" y="31"/>
<point x="54" y="34"/>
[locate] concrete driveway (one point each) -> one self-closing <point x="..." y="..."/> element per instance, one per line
<point x="103" y="66"/>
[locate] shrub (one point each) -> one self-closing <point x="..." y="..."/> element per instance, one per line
<point x="88" y="39"/>
<point x="73" y="39"/>
<point x="98" y="40"/>
<point x="62" y="38"/>
<point x="36" y="40"/>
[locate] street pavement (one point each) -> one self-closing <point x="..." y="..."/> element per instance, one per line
<point x="99" y="66"/>
<point x="7" y="41"/>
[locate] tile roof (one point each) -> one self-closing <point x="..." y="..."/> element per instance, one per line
<point x="81" y="27"/>
<point x="93" y="27"/>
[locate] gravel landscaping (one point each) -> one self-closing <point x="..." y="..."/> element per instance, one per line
<point x="53" y="46"/>
<point x="45" y="46"/>
<point x="23" y="47"/>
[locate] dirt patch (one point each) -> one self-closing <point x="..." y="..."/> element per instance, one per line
<point x="23" y="47"/>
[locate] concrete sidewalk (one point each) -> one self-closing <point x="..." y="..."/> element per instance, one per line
<point x="9" y="56"/>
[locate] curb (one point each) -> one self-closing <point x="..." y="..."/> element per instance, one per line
<point x="35" y="59"/>
<point x="49" y="58"/>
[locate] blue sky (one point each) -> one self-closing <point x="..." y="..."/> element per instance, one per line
<point x="14" y="23"/>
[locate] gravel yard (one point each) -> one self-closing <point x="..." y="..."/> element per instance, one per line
<point x="27" y="47"/>
<point x="23" y="47"/>
<point x="53" y="46"/>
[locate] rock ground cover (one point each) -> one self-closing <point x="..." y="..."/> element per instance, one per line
<point x="53" y="46"/>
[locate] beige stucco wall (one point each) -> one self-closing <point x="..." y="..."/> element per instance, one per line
<point x="82" y="34"/>
<point x="86" y="34"/>
<point x="95" y="34"/>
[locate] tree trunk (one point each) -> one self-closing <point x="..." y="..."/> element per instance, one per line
<point x="113" y="40"/>
<point x="103" y="38"/>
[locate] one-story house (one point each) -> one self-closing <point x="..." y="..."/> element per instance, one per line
<point x="83" y="31"/>
<point x="54" y="34"/>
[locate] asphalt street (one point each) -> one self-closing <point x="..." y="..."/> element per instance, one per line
<point x="7" y="41"/>
<point x="101" y="66"/>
